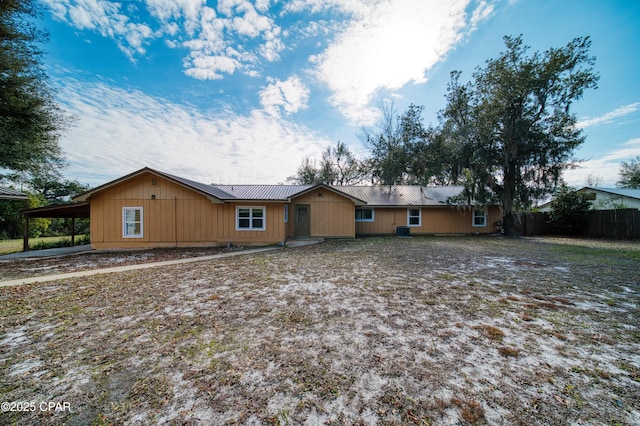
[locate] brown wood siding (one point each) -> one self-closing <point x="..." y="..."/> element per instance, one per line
<point x="332" y="215"/>
<point x="435" y="220"/>
<point x="177" y="216"/>
<point x="385" y="221"/>
<point x="274" y="224"/>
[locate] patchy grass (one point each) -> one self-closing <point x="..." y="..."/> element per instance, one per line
<point x="370" y="331"/>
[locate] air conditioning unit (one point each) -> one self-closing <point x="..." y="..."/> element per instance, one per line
<point x="403" y="231"/>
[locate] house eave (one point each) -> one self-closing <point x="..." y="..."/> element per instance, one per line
<point x="358" y="202"/>
<point x="86" y="196"/>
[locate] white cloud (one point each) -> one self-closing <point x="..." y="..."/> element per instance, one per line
<point x="482" y="12"/>
<point x="105" y="18"/>
<point x="167" y="10"/>
<point x="120" y="131"/>
<point x="606" y="168"/>
<point x="210" y="67"/>
<point x="216" y="40"/>
<point x="388" y="44"/>
<point x="610" y="116"/>
<point x="380" y="45"/>
<point x="291" y="95"/>
<point x="316" y="6"/>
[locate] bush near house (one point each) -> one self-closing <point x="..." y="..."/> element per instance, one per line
<point x="570" y="212"/>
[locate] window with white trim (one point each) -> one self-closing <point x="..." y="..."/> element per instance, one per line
<point x="414" y="217"/>
<point x="479" y="217"/>
<point x="364" y="215"/>
<point x="132" y="222"/>
<point x="250" y="218"/>
<point x="286" y="213"/>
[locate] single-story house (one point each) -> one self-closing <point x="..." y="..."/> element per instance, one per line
<point x="613" y="198"/>
<point x="606" y="198"/>
<point x="150" y="208"/>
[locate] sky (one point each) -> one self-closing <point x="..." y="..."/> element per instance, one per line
<point x="237" y="91"/>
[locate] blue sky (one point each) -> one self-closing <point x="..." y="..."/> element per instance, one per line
<point x="238" y="91"/>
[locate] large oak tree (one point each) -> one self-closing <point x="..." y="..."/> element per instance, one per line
<point x="511" y="126"/>
<point x="30" y="119"/>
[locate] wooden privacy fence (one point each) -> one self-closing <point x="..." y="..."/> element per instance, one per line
<point x="619" y="224"/>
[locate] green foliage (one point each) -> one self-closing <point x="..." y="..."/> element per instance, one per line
<point x="12" y="221"/>
<point x="570" y="212"/>
<point x="391" y="143"/>
<point x="62" y="242"/>
<point x="30" y="120"/>
<point x="630" y="174"/>
<point x="45" y="189"/>
<point x="338" y="167"/>
<point x="511" y="128"/>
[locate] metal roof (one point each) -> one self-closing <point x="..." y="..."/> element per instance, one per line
<point x="213" y="190"/>
<point x="623" y="192"/>
<point x="262" y="192"/>
<point x="381" y="196"/>
<point x="397" y="195"/>
<point x="11" y="194"/>
<point x="210" y="191"/>
<point x="403" y="195"/>
<point x="69" y="210"/>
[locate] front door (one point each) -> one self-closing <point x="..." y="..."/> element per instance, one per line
<point x="303" y="220"/>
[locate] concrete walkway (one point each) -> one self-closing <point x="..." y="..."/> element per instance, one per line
<point x="52" y="252"/>
<point x="126" y="268"/>
<point x="79" y="249"/>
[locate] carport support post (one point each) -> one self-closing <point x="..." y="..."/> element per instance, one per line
<point x="73" y="231"/>
<point x="25" y="235"/>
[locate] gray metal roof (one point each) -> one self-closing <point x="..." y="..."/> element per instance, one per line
<point x="262" y="192"/>
<point x="402" y="195"/>
<point x="381" y="196"/>
<point x="397" y="195"/>
<point x="11" y="194"/>
<point x="623" y="192"/>
<point x="213" y="190"/>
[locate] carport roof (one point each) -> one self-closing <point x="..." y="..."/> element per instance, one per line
<point x="70" y="210"/>
<point x="11" y="194"/>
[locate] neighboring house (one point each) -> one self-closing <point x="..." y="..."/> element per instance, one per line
<point x="149" y="208"/>
<point x="613" y="198"/>
<point x="607" y="198"/>
<point x="11" y="194"/>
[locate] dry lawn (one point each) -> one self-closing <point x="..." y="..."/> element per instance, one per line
<point x="369" y="331"/>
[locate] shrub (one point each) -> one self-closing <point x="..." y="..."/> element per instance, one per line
<point x="62" y="242"/>
<point x="570" y="212"/>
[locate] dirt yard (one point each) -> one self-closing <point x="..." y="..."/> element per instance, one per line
<point x="419" y="331"/>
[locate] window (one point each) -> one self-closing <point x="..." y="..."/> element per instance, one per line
<point x="480" y="217"/>
<point x="414" y="217"/>
<point x="364" y="215"/>
<point x="132" y="221"/>
<point x="250" y="218"/>
<point x="286" y="213"/>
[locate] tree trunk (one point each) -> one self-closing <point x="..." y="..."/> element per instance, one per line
<point x="507" y="224"/>
<point x="508" y="193"/>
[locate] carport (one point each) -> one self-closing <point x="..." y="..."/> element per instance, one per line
<point x="71" y="211"/>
